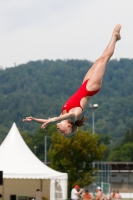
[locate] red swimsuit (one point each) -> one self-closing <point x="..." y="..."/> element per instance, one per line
<point x="74" y="100"/>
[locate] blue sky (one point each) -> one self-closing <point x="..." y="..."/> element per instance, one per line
<point x="62" y="29"/>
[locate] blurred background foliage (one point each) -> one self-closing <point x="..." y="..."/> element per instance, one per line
<point x="40" y="88"/>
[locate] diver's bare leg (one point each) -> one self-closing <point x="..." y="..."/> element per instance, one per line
<point x="96" y="72"/>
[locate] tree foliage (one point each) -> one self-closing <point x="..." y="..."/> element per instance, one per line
<point x="75" y="156"/>
<point x="105" y="139"/>
<point x="124" y="151"/>
<point x="128" y="137"/>
<point x="38" y="140"/>
<point x="40" y="88"/>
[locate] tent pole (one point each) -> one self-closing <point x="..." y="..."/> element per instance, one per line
<point x="41" y="184"/>
<point x="3" y="189"/>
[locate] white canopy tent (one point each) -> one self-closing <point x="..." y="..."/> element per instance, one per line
<point x="19" y="163"/>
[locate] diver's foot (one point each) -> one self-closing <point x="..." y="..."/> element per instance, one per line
<point x="116" y="32"/>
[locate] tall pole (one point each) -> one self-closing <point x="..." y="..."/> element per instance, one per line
<point x="35" y="147"/>
<point x="93" y="164"/>
<point x="45" y="137"/>
<point x="93" y="122"/>
<point x="93" y="107"/>
<point x="45" y="148"/>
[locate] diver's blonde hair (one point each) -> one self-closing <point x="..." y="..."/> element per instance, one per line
<point x="78" y="123"/>
<point x="72" y="130"/>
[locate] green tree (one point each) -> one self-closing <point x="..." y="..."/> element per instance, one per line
<point x="122" y="153"/>
<point x="105" y="139"/>
<point x="75" y="157"/>
<point x="128" y="136"/>
<point x="39" y="88"/>
<point x="37" y="139"/>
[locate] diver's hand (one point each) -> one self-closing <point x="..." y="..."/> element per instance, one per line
<point x="44" y="125"/>
<point x="28" y="119"/>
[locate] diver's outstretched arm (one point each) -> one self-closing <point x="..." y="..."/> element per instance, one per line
<point x="29" y="119"/>
<point x="60" y="118"/>
<point x="45" y="122"/>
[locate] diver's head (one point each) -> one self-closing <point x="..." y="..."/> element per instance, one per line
<point x="67" y="128"/>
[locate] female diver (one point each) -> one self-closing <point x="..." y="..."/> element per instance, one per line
<point x="69" y="121"/>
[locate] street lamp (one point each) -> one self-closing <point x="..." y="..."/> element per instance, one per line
<point x="45" y="148"/>
<point x="35" y="147"/>
<point x="93" y="107"/>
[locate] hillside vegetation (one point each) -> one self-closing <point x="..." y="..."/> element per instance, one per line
<point x="40" y="88"/>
